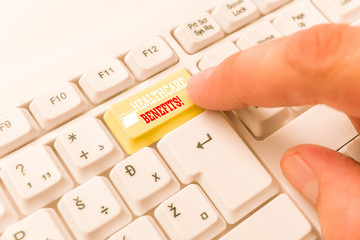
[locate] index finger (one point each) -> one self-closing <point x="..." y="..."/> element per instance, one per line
<point x="318" y="65"/>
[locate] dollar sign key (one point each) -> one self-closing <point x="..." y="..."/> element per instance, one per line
<point x="80" y="205"/>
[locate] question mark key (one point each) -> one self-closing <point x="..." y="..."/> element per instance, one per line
<point x="23" y="176"/>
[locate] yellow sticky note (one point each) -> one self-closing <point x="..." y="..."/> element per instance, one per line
<point x="145" y="117"/>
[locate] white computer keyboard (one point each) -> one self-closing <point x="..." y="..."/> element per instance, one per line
<point x="66" y="171"/>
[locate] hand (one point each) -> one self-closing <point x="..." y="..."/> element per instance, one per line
<point x="318" y="65"/>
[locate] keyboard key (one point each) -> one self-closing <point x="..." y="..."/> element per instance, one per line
<point x="88" y="149"/>
<point x="352" y="149"/>
<point x="280" y="219"/>
<point x="356" y="23"/>
<point x="93" y="210"/>
<point x="150" y="58"/>
<point x="218" y="55"/>
<point x="58" y="106"/>
<point x="35" y="178"/>
<point x="199" y="151"/>
<point x="189" y="215"/>
<point x="16" y="128"/>
<point x="145" y="117"/>
<point x="262" y="122"/>
<point x="106" y="80"/>
<point x="319" y="125"/>
<point x="258" y="33"/>
<point x="233" y="14"/>
<point x="199" y="32"/>
<point x="299" y="16"/>
<point x="339" y="11"/>
<point x="42" y="224"/>
<point x="266" y="6"/>
<point x="140" y="229"/>
<point x="300" y="109"/>
<point x="143" y="180"/>
<point x="8" y="215"/>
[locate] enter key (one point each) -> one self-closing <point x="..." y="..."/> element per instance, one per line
<point x="206" y="150"/>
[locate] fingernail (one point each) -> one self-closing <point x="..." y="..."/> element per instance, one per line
<point x="301" y="176"/>
<point x="198" y="78"/>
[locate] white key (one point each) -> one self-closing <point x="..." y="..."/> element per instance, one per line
<point x="352" y="149"/>
<point x="300" y="109"/>
<point x="140" y="229"/>
<point x="280" y="219"/>
<point x="262" y="122"/>
<point x="198" y="32"/>
<point x="8" y="215"/>
<point x="189" y="215"/>
<point x="58" y="106"/>
<point x="42" y="224"/>
<point x="88" y="149"/>
<point x="218" y="55"/>
<point x="233" y="14"/>
<point x="258" y="33"/>
<point x="106" y="80"/>
<point x="339" y="11"/>
<point x="16" y="128"/>
<point x="266" y="6"/>
<point x="93" y="210"/>
<point x="143" y="180"/>
<point x="35" y="178"/>
<point x="319" y="125"/>
<point x="356" y="23"/>
<point x="150" y="58"/>
<point x="299" y="16"/>
<point x="199" y="151"/>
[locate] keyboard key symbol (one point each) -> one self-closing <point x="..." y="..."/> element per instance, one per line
<point x="72" y="137"/>
<point x="156" y="177"/>
<point x="84" y="154"/>
<point x="201" y="145"/>
<point x="130" y="170"/>
<point x="128" y="119"/>
<point x="172" y="208"/>
<point x="21" y="167"/>
<point x="79" y="203"/>
<point x="104" y="210"/>
<point x="46" y="176"/>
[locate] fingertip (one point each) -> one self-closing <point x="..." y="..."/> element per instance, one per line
<point x="197" y="84"/>
<point x="338" y="178"/>
<point x="300" y="175"/>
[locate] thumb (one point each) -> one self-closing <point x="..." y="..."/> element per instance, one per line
<point x="331" y="181"/>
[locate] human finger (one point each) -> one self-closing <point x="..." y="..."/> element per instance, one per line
<point x="318" y="65"/>
<point x="331" y="181"/>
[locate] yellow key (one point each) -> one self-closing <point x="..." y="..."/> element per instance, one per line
<point x="145" y="117"/>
